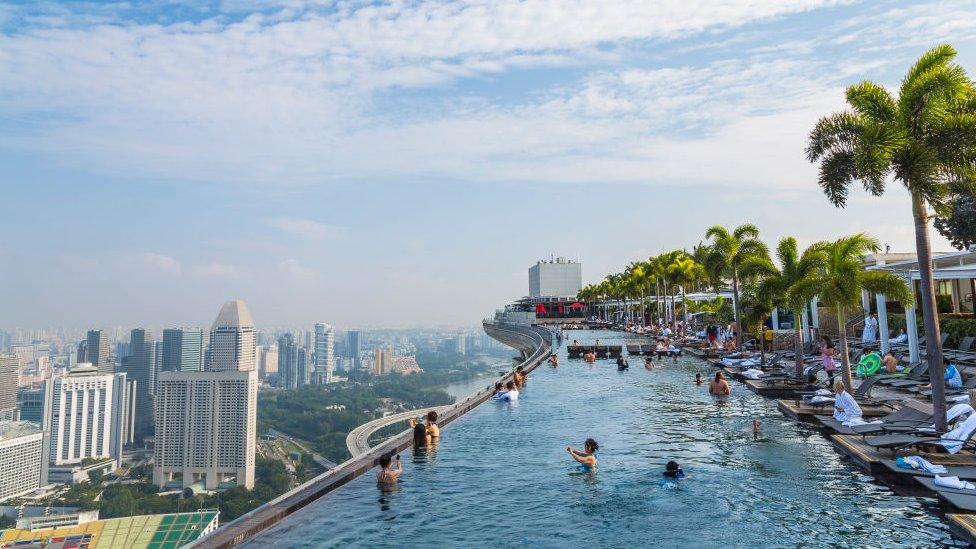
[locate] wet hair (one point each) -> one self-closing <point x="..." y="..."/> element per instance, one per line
<point x="499" y="386"/>
<point x="432" y="416"/>
<point x="671" y="469"/>
<point x="591" y="445"/>
<point x="718" y="376"/>
<point x="697" y="375"/>
<point x="385" y="461"/>
<point x="420" y="435"/>
<point x="510" y="385"/>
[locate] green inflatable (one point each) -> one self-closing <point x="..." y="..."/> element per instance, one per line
<point x="869" y="365"/>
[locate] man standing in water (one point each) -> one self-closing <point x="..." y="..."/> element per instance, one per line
<point x="718" y="386"/>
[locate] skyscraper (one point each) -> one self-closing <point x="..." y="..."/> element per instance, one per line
<point x="232" y="339"/>
<point x="206" y="422"/>
<point x="97" y="351"/>
<point x="87" y="414"/>
<point x="324" y="352"/>
<point x="23" y="466"/>
<point x="182" y="350"/>
<point x="294" y="364"/>
<point x="9" y="374"/>
<point x="140" y="367"/>
<point x="354" y="349"/>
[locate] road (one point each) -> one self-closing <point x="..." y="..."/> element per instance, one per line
<point x="358" y="439"/>
<point x="321" y="461"/>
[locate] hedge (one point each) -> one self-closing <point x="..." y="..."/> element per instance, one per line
<point x="958" y="326"/>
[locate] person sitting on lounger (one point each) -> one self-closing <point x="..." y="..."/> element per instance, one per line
<point x="845" y="407"/>
<point x="674" y="351"/>
<point x="899" y="339"/>
<point x="812" y="384"/>
<point x="953" y="380"/>
<point x="719" y="386"/>
<point x="891" y="363"/>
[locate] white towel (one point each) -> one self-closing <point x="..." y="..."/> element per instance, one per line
<point x="959" y="398"/>
<point x="823" y="392"/>
<point x="923" y="464"/>
<point x="954" y="439"/>
<point x="958" y="410"/>
<point x="753" y="373"/>
<point x="954" y="483"/>
<point x="821" y="399"/>
<point x="860" y="421"/>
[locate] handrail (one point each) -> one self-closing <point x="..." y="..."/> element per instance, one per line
<point x="263" y="517"/>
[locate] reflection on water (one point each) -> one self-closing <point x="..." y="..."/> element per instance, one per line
<point x="502" y="473"/>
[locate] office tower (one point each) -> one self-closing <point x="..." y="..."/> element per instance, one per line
<point x="294" y="365"/>
<point x="206" y="427"/>
<point x="97" y="352"/>
<point x="182" y="350"/>
<point x="383" y="360"/>
<point x="459" y="344"/>
<point x="269" y="361"/>
<point x="88" y="414"/>
<point x="232" y="339"/>
<point x="82" y="354"/>
<point x="555" y="278"/>
<point x="324" y="352"/>
<point x="354" y="349"/>
<point x="139" y="366"/>
<point x="22" y="464"/>
<point x="30" y="404"/>
<point x="9" y="377"/>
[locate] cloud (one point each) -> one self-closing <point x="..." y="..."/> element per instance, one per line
<point x="216" y="270"/>
<point x="295" y="269"/>
<point x="158" y="263"/>
<point x="306" y="228"/>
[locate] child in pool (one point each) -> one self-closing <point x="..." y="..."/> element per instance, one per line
<point x="673" y="471"/>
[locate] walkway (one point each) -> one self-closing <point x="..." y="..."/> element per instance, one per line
<point x="358" y="439"/>
<point x="324" y="463"/>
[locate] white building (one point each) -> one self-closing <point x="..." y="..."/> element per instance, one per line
<point x="206" y="422"/>
<point x="206" y="427"/>
<point x="232" y="339"/>
<point x="88" y="414"/>
<point x="324" y="352"/>
<point x="22" y="464"/>
<point x="559" y="277"/>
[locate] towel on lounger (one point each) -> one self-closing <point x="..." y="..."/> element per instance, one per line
<point x="860" y="421"/>
<point x="954" y="483"/>
<point x="954" y="439"/>
<point x="752" y="373"/>
<point x="920" y="463"/>
<point x="821" y="399"/>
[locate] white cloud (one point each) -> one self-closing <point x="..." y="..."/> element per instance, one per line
<point x="306" y="228"/>
<point x="294" y="268"/>
<point x="216" y="269"/>
<point x="158" y="263"/>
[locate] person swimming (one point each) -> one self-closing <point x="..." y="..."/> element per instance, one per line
<point x="622" y="364"/>
<point x="698" y="378"/>
<point x="586" y="458"/>
<point x="719" y="386"/>
<point x="387" y="475"/>
<point x="648" y="363"/>
<point x="672" y="474"/>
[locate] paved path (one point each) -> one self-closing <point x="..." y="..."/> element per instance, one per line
<point x="358" y="439"/>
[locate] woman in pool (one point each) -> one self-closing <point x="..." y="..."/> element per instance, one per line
<point x="648" y="363"/>
<point x="586" y="458"/>
<point x="421" y="439"/>
<point x="519" y="377"/>
<point x="388" y="475"/>
<point x="433" y="431"/>
<point x="719" y="386"/>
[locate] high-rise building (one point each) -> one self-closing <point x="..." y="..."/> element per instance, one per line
<point x="206" y="422"/>
<point x="232" y="339"/>
<point x="354" y="348"/>
<point x="383" y="360"/>
<point x="140" y="367"/>
<point x="206" y="427"/>
<point x="87" y="414"/>
<point x="182" y="350"/>
<point x="30" y="401"/>
<point x="324" y="352"/>
<point x="9" y="376"/>
<point x="269" y="361"/>
<point x="97" y="351"/>
<point x="22" y="464"/>
<point x="560" y="277"/>
<point x="294" y="364"/>
<point x="460" y="346"/>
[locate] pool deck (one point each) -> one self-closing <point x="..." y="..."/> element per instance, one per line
<point x="962" y="525"/>
<point x="801" y="411"/>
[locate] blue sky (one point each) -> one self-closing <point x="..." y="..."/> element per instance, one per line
<point x="403" y="163"/>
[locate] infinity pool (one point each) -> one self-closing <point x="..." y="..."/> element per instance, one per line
<point x="501" y="475"/>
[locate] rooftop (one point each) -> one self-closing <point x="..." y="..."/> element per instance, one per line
<point x="10" y="430"/>
<point x="144" y="531"/>
<point x="234" y="314"/>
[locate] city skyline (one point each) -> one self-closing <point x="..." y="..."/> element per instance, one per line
<point x="379" y="187"/>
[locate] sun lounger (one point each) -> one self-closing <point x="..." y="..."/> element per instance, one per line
<point x="952" y="442"/>
<point x="966" y="472"/>
<point x="960" y="499"/>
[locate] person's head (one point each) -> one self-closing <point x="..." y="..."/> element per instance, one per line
<point x="499" y="386"/>
<point x="719" y="376"/>
<point x="420" y="435"/>
<point x="432" y="417"/>
<point x="827" y="342"/>
<point x="518" y="369"/>
<point x="590" y="446"/>
<point x="672" y="467"/>
<point x="890" y="353"/>
<point x="838" y="386"/>
<point x="698" y="376"/>
<point x="385" y="461"/>
<point x="510" y="385"/>
<point x="812" y="379"/>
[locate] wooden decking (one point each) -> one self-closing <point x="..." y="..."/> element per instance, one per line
<point x="804" y="412"/>
<point x="962" y="525"/>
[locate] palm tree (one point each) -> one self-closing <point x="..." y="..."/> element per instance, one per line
<point x="839" y="283"/>
<point x="923" y="139"/>
<point x="776" y="282"/>
<point x="685" y="271"/>
<point x="728" y="251"/>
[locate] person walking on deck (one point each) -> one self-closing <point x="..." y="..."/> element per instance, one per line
<point x="870" y="332"/>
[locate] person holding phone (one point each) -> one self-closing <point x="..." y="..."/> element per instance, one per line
<point x="388" y="475"/>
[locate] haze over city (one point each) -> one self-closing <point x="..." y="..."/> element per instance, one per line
<point x="159" y="159"/>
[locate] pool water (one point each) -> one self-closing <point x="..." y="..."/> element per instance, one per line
<point x="501" y="476"/>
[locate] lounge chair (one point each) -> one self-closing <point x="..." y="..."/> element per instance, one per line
<point x="965" y="472"/>
<point x="963" y="350"/>
<point x="960" y="499"/>
<point x="952" y="441"/>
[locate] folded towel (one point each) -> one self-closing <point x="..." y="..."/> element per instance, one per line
<point x="823" y="392"/>
<point x="920" y="463"/>
<point x="860" y="421"/>
<point x="954" y="483"/>
<point x="752" y="373"/>
<point x="959" y="398"/>
<point x="820" y="399"/>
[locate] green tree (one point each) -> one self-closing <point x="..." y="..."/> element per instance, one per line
<point x="775" y="283"/>
<point x="839" y="282"/>
<point x="729" y="249"/>
<point x="958" y="225"/>
<point x="926" y="140"/>
<point x="685" y="272"/>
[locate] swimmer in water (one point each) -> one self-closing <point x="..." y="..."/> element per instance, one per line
<point x="756" y="429"/>
<point x="554" y="361"/>
<point x="586" y="458"/>
<point x="648" y="363"/>
<point x="698" y="378"/>
<point x="590" y="357"/>
<point x="719" y="386"/>
<point x="388" y="475"/>
<point x="672" y="474"/>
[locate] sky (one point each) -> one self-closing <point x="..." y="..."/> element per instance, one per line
<point x="403" y="163"/>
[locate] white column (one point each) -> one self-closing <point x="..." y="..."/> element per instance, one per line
<point x="776" y="318"/>
<point x="911" y="326"/>
<point x="814" y="313"/>
<point x="883" y="322"/>
<point x="866" y="301"/>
